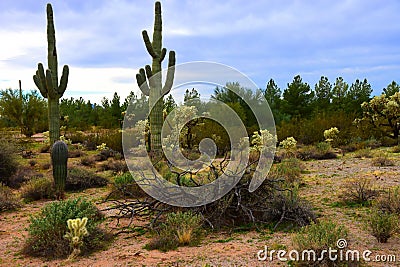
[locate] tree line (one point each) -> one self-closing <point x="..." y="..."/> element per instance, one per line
<point x="297" y="104"/>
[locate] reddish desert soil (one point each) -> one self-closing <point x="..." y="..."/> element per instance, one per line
<point x="323" y="181"/>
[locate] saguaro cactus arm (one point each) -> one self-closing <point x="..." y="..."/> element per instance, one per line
<point x="170" y="73"/>
<point x="148" y="44"/>
<point x="63" y="81"/>
<point x="142" y="82"/>
<point x="39" y="79"/>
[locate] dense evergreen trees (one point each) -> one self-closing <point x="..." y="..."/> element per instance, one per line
<point x="299" y="110"/>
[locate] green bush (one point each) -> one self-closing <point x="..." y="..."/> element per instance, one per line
<point x="382" y="225"/>
<point x="286" y="208"/>
<point x="8" y="162"/>
<point x="117" y="166"/>
<point x="113" y="139"/>
<point x="179" y="229"/>
<point x="318" y="237"/>
<point x="389" y="201"/>
<point x="382" y="160"/>
<point x="76" y="137"/>
<point x="289" y="169"/>
<point x="75" y="153"/>
<point x="88" y="161"/>
<point x="47" y="229"/>
<point x="32" y="162"/>
<point x="81" y="178"/>
<point x="396" y="149"/>
<point x="23" y="175"/>
<point x="126" y="186"/>
<point x="320" y="151"/>
<point x="364" y="153"/>
<point x="358" y="191"/>
<point x="311" y="130"/>
<point x="8" y="201"/>
<point x="38" y="188"/>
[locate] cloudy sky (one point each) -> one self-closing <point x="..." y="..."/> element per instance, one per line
<point x="101" y="40"/>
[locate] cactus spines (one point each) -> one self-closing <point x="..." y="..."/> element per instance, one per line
<point x="77" y="230"/>
<point x="47" y="82"/>
<point x="153" y="88"/>
<point x="59" y="159"/>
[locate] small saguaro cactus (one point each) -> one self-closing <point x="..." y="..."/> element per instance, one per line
<point x="47" y="82"/>
<point x="59" y="159"/>
<point x="153" y="88"/>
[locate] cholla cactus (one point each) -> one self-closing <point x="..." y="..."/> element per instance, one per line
<point x="77" y="230"/>
<point x="65" y="140"/>
<point x="264" y="141"/>
<point x="101" y="147"/>
<point x="46" y="140"/>
<point x="289" y="143"/>
<point x="331" y="134"/>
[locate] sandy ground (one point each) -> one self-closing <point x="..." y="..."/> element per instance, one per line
<point x="323" y="182"/>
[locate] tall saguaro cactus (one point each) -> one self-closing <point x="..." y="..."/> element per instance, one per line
<point x="47" y="82"/>
<point x="154" y="88"/>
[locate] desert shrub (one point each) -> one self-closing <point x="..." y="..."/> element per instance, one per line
<point x="289" y="170"/>
<point x="117" y="166"/>
<point x="396" y="149"/>
<point x="8" y="201"/>
<point x="371" y="143"/>
<point x="81" y="178"/>
<point x="288" y="208"/>
<point x="113" y="139"/>
<point x="364" y="153"/>
<point x="8" y="162"/>
<point x="75" y="153"/>
<point x="349" y="148"/>
<point x="104" y="154"/>
<point x="45" y="166"/>
<point x="32" y="162"/>
<point x="389" y="201"/>
<point x="382" y="160"/>
<point x="44" y="149"/>
<point x="38" y="188"/>
<point x="320" y="151"/>
<point x="388" y="141"/>
<point x="266" y="205"/>
<point x="76" y="137"/>
<point x="358" y="191"/>
<point x="179" y="229"/>
<point x="27" y="154"/>
<point x="310" y="130"/>
<point x="382" y="225"/>
<point x="23" y="175"/>
<point x="318" y="237"/>
<point x="47" y="229"/>
<point x="126" y="186"/>
<point x="88" y="161"/>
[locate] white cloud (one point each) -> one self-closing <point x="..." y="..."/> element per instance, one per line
<point x="101" y="39"/>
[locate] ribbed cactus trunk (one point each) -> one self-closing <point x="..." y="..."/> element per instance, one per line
<point x="154" y="88"/>
<point x="59" y="160"/>
<point x="54" y="119"/>
<point x="47" y="82"/>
